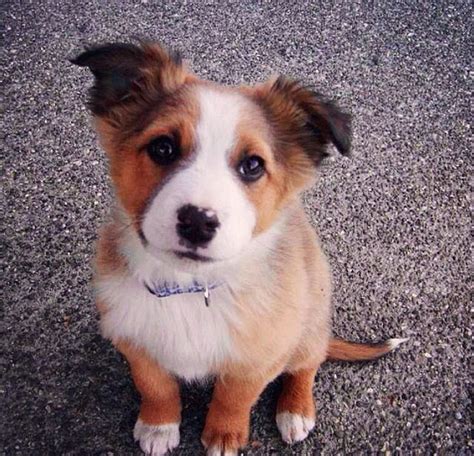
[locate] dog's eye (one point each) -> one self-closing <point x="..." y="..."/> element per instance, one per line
<point x="251" y="168"/>
<point x="163" y="150"/>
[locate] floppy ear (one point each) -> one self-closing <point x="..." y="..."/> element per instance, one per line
<point x="127" y="73"/>
<point x="305" y="118"/>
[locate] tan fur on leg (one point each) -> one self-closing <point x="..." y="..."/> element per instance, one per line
<point x="297" y="393"/>
<point x="159" y="390"/>
<point x="227" y="422"/>
<point x="296" y="411"/>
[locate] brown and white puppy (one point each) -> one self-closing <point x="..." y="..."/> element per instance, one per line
<point x="207" y="180"/>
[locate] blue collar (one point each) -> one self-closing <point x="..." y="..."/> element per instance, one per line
<point x="171" y="289"/>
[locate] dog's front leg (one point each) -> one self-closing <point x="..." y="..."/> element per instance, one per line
<point x="227" y="422"/>
<point x="157" y="426"/>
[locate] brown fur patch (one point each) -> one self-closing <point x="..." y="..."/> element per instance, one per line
<point x="341" y="350"/>
<point x="301" y="120"/>
<point x="297" y="393"/>
<point x="159" y="390"/>
<point x="280" y="183"/>
<point x="138" y="88"/>
<point x="108" y="258"/>
<point x="267" y="193"/>
<point x="227" y="422"/>
<point x="131" y="80"/>
<point x="135" y="175"/>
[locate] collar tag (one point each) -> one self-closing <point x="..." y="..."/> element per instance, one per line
<point x="206" y="296"/>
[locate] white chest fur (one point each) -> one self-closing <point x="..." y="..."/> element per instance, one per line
<point x="180" y="332"/>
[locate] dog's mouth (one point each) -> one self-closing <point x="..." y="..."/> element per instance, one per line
<point x="192" y="256"/>
<point x="182" y="254"/>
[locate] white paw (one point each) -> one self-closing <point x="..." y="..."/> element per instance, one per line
<point x="156" y="440"/>
<point x="216" y="451"/>
<point x="294" y="427"/>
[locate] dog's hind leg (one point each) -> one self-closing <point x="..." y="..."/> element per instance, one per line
<point x="296" y="410"/>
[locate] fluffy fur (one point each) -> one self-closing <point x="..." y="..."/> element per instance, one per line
<point x="270" y="313"/>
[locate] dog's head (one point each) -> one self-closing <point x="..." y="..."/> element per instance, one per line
<point x="203" y="169"/>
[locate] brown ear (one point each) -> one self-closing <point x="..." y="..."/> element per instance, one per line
<point x="304" y="118"/>
<point x="128" y="73"/>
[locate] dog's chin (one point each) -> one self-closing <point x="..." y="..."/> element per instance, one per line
<point x="186" y="260"/>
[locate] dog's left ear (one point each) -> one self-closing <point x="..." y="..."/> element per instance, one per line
<point x="127" y="74"/>
<point x="304" y="117"/>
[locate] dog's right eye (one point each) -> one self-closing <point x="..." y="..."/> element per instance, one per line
<point x="163" y="150"/>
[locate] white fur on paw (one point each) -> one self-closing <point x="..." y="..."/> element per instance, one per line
<point x="294" y="427"/>
<point x="156" y="440"/>
<point x="216" y="451"/>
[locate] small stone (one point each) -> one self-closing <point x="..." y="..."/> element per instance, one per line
<point x="256" y="444"/>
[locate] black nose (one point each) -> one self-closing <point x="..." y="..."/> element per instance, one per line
<point x="196" y="225"/>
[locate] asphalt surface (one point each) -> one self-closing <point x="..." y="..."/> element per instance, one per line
<point x="394" y="218"/>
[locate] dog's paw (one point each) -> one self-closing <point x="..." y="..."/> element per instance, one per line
<point x="294" y="427"/>
<point x="156" y="440"/>
<point x="223" y="443"/>
<point x="216" y="451"/>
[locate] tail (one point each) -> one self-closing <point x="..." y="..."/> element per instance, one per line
<point x="341" y="350"/>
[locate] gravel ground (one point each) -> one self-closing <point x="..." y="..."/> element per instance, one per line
<point x="394" y="218"/>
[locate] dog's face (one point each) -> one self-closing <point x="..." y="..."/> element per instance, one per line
<point x="202" y="169"/>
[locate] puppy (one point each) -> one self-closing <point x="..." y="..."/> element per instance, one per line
<point x="208" y="267"/>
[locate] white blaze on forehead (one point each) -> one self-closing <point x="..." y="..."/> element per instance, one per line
<point x="216" y="130"/>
